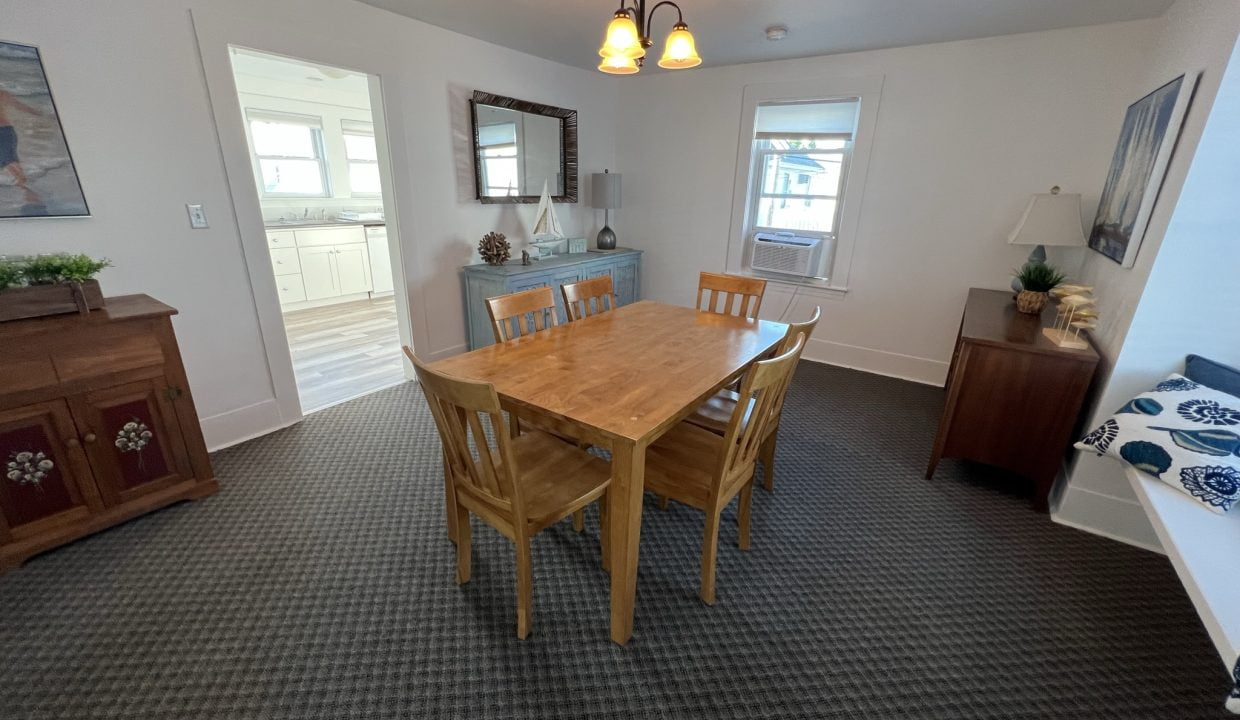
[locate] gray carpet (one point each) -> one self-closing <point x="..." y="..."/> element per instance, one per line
<point x="319" y="584"/>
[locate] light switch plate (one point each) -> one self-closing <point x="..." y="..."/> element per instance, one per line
<point x="197" y="217"/>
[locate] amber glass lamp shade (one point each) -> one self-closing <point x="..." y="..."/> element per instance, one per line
<point x="618" y="65"/>
<point x="680" y="51"/>
<point x="622" y="38"/>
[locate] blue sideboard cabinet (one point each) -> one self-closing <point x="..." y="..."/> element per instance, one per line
<point x="483" y="281"/>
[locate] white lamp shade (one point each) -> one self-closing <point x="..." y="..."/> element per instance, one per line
<point x="605" y="191"/>
<point x="1050" y="219"/>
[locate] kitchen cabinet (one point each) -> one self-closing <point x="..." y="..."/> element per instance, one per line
<point x="315" y="266"/>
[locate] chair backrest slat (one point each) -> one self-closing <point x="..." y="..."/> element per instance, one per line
<point x="579" y="296"/>
<point x="761" y="395"/>
<point x="740" y="296"/>
<point x="521" y="313"/>
<point x="458" y="407"/>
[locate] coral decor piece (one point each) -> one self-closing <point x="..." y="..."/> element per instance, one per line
<point x="494" y="248"/>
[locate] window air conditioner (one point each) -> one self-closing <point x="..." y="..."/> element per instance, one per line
<point x="784" y="252"/>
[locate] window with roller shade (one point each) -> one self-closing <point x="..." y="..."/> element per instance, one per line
<point x="799" y="169"/>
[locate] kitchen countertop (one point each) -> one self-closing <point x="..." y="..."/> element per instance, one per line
<point x="323" y="223"/>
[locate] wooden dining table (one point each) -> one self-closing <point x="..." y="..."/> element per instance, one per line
<point x="618" y="380"/>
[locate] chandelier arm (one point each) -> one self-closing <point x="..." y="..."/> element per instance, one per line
<point x="680" y="16"/>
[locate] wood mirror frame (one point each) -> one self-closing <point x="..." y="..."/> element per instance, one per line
<point x="568" y="145"/>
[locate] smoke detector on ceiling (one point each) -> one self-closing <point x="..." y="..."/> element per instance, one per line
<point x="776" y="32"/>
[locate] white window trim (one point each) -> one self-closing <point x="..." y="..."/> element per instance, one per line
<point x="311" y="121"/>
<point x="869" y="89"/>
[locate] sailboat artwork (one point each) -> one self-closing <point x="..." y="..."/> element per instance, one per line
<point x="546" y="234"/>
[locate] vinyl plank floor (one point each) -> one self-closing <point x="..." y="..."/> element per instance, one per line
<point x="344" y="351"/>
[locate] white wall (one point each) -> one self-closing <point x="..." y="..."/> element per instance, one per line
<point x="1181" y="296"/>
<point x="129" y="85"/>
<point x="966" y="131"/>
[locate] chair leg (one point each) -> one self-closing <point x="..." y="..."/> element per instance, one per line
<point x="464" y="550"/>
<point x="710" y="548"/>
<point x="525" y="588"/>
<point x="579" y="520"/>
<point x="768" y="463"/>
<point x="742" y="515"/>
<point x="449" y="499"/>
<point x="662" y="501"/>
<point x="603" y="530"/>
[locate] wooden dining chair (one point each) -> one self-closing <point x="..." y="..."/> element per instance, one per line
<point x="517" y="485"/>
<point x="578" y="297"/>
<point x="716" y="413"/>
<point x="730" y="294"/>
<point x="696" y="467"/>
<point x="521" y="313"/>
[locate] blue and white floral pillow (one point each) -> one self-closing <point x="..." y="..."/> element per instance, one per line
<point x="1182" y="433"/>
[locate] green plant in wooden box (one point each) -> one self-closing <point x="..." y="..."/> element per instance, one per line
<point x="49" y="285"/>
<point x="1037" y="279"/>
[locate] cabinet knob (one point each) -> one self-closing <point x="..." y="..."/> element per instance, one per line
<point x="73" y="442"/>
<point x="90" y="437"/>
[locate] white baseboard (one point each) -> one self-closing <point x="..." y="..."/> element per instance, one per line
<point x="1111" y="517"/>
<point x="879" y="362"/>
<point x="245" y="423"/>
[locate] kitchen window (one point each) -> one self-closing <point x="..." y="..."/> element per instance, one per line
<point x="288" y="155"/>
<point x="363" y="157"/>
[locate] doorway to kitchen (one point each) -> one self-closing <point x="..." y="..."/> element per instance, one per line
<point x="311" y="134"/>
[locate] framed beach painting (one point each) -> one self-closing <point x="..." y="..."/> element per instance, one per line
<point x="37" y="176"/>
<point x="1146" y="141"/>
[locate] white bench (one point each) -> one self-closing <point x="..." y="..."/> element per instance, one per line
<point x="1204" y="548"/>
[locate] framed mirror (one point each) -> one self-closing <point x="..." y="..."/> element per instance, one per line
<point x="518" y="145"/>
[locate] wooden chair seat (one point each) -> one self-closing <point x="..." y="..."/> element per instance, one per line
<point x="680" y="465"/>
<point x="715" y="413"/>
<point x="556" y="479"/>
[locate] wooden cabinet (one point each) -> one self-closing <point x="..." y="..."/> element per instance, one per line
<point x="97" y="424"/>
<point x="318" y="272"/>
<point x="484" y="281"/>
<point x="1013" y="397"/>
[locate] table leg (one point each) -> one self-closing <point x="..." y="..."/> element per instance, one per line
<point x="624" y="508"/>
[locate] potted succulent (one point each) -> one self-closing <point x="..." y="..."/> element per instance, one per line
<point x="1036" y="280"/>
<point x="49" y="285"/>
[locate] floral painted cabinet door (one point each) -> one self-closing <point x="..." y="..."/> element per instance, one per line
<point x="132" y="438"/>
<point x="44" y="478"/>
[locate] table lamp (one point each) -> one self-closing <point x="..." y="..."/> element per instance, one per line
<point x="605" y="196"/>
<point x="1050" y="219"/>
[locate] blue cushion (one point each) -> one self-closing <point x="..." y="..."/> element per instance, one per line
<point x="1214" y="375"/>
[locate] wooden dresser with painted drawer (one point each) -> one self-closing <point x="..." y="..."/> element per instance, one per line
<point x="97" y="424"/>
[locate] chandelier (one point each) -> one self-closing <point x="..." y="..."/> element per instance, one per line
<point x="628" y="37"/>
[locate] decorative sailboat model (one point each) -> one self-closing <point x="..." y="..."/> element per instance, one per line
<point x="546" y="235"/>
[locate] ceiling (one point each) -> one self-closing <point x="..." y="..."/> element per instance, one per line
<point x="298" y="72"/>
<point x="732" y="31"/>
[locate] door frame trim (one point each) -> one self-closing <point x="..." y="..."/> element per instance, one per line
<point x="216" y="35"/>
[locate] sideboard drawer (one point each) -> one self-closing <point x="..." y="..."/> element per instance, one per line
<point x="280" y="239"/>
<point x="114" y="352"/>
